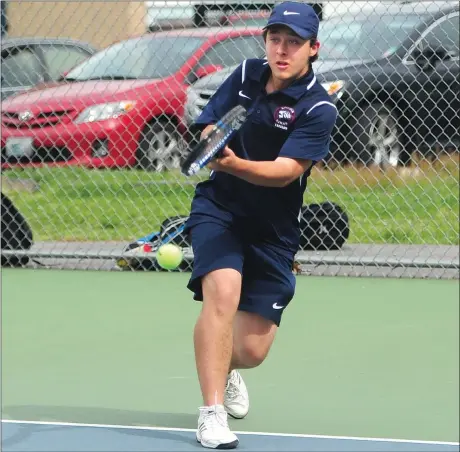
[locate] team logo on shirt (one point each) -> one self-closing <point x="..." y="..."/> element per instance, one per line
<point x="283" y="117"/>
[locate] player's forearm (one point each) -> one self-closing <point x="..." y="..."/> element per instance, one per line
<point x="267" y="174"/>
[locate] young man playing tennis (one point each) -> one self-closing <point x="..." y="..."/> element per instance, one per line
<point x="244" y="220"/>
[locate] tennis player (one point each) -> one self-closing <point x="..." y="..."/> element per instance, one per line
<point x="243" y="222"/>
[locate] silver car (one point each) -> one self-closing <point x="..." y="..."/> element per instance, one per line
<point x="26" y="62"/>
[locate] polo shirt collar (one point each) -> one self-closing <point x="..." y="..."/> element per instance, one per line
<point x="296" y="90"/>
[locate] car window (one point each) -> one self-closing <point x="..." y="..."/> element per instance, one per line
<point x="234" y="51"/>
<point x="445" y="35"/>
<point x="20" y="67"/>
<point x="366" y="37"/>
<point x="146" y="57"/>
<point x="60" y="59"/>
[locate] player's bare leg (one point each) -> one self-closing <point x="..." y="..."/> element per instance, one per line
<point x="213" y="339"/>
<point x="253" y="336"/>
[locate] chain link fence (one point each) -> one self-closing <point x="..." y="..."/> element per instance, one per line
<point x="99" y="100"/>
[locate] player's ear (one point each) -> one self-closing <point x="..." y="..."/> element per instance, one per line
<point x="314" y="47"/>
<point x="314" y="50"/>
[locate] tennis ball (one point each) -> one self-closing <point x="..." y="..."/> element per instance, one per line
<point x="169" y="256"/>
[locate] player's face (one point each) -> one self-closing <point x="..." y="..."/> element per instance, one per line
<point x="287" y="54"/>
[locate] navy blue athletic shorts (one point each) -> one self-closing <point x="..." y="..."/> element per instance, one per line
<point x="268" y="283"/>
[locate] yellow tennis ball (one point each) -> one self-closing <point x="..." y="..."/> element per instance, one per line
<point x="169" y="256"/>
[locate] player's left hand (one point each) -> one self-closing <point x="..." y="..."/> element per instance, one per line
<point x="226" y="161"/>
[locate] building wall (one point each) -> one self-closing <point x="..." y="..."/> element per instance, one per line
<point x="100" y="23"/>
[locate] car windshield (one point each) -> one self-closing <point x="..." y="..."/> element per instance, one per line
<point x="365" y="38"/>
<point x="355" y="38"/>
<point x="260" y="22"/>
<point x="140" y="58"/>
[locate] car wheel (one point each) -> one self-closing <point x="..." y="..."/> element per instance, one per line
<point x="161" y="147"/>
<point x="379" y="137"/>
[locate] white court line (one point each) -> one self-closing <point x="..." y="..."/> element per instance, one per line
<point x="170" y="429"/>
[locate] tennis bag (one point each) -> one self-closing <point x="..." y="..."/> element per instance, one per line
<point x="16" y="233"/>
<point x="171" y="231"/>
<point x="323" y="226"/>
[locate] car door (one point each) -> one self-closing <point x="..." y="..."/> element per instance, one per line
<point x="439" y="121"/>
<point x="21" y="70"/>
<point x="60" y="58"/>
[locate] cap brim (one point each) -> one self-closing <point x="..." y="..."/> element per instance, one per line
<point x="297" y="30"/>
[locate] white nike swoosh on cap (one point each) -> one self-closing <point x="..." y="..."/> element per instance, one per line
<point x="290" y="13"/>
<point x="276" y="306"/>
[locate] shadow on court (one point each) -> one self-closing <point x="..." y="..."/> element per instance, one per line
<point x="95" y="415"/>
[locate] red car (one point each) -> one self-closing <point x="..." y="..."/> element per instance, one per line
<point x="124" y="105"/>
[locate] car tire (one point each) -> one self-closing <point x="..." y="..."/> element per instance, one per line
<point x="379" y="138"/>
<point x="161" y="147"/>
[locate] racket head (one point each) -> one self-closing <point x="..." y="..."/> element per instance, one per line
<point x="207" y="148"/>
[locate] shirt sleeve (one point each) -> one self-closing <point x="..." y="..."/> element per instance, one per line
<point x="311" y="137"/>
<point x="225" y="98"/>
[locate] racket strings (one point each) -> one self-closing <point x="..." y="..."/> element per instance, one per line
<point x="212" y="146"/>
<point x="215" y="141"/>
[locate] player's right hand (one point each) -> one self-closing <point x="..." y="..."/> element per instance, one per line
<point x="226" y="161"/>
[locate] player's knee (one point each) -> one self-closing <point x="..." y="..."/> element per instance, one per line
<point x="224" y="304"/>
<point x="221" y="295"/>
<point x="253" y="354"/>
<point x="253" y="350"/>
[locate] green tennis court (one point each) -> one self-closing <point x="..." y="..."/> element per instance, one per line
<point x="355" y="357"/>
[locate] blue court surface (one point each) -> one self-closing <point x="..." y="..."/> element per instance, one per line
<point x="28" y="436"/>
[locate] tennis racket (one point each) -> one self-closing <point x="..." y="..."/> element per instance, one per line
<point x="140" y="255"/>
<point x="209" y="146"/>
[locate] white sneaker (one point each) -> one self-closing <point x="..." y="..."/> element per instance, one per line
<point x="236" y="396"/>
<point x="213" y="431"/>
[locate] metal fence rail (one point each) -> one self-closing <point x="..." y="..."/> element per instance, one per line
<point x="98" y="107"/>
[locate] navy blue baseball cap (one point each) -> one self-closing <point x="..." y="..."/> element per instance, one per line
<point x="299" y="17"/>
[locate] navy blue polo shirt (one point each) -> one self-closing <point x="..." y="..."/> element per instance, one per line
<point x="295" y="122"/>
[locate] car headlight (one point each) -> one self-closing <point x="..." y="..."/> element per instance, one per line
<point x="334" y="87"/>
<point x="105" y="111"/>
